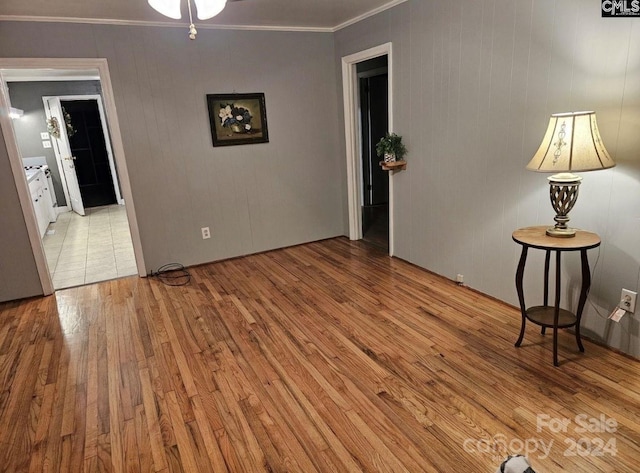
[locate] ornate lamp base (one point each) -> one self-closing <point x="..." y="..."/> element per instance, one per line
<point x="563" y="192"/>
<point x="561" y="232"/>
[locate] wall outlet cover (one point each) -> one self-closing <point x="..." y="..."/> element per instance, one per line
<point x="628" y="300"/>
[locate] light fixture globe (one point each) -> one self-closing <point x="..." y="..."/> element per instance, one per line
<point x="209" y="8"/>
<point x="169" y="8"/>
<point x="572" y="143"/>
<point x="206" y="9"/>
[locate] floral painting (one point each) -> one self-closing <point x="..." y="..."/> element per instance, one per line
<point x="237" y="119"/>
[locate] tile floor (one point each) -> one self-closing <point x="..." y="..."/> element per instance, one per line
<point x="96" y="247"/>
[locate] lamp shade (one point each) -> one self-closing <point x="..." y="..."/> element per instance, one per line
<point x="572" y="143"/>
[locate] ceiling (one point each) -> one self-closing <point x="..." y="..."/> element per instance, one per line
<point x="313" y="15"/>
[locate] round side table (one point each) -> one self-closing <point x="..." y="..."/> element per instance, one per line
<point x="546" y="315"/>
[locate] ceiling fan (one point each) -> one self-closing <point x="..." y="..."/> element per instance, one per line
<point x="206" y="9"/>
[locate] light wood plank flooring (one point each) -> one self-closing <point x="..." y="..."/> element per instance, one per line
<point x="326" y="357"/>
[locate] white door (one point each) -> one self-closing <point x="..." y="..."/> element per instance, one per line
<point x="61" y="147"/>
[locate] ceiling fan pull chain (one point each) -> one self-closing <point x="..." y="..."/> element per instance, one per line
<point x="192" y="28"/>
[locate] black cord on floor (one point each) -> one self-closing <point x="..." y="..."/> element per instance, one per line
<point x="172" y="274"/>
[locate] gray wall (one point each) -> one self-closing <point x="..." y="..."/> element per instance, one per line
<point x="28" y="97"/>
<point x="475" y="83"/>
<point x="18" y="274"/>
<point x="254" y="197"/>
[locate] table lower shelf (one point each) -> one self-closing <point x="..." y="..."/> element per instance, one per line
<point x="544" y="315"/>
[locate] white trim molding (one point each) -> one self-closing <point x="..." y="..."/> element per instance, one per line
<point x="165" y="24"/>
<point x="352" y="142"/>
<point x="364" y="16"/>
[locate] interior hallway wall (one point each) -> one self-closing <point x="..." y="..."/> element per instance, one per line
<point x="474" y="85"/>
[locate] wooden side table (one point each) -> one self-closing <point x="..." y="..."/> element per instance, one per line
<point x="546" y="315"/>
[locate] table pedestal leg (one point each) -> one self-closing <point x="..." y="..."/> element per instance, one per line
<point x="545" y="301"/>
<point x="556" y="312"/>
<point x="519" y="288"/>
<point x="584" y="292"/>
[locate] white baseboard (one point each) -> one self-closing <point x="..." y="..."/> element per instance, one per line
<point x="63" y="209"/>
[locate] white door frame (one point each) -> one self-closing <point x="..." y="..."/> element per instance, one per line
<point x="15" y="158"/>
<point x="107" y="141"/>
<point x="352" y="127"/>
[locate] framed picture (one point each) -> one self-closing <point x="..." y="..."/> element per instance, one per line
<point x="237" y="119"/>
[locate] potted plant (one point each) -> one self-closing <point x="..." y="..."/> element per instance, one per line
<point x="391" y="148"/>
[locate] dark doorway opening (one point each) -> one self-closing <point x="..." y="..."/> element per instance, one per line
<point x="89" y="149"/>
<point x="374" y="119"/>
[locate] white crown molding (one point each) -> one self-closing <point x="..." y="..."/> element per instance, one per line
<point x="174" y="24"/>
<point x="180" y="24"/>
<point x="364" y="16"/>
<point x="90" y="21"/>
<point x="300" y="29"/>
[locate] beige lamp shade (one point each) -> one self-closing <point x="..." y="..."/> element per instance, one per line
<point x="572" y="143"/>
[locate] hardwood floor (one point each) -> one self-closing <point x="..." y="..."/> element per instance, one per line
<point x="326" y="357"/>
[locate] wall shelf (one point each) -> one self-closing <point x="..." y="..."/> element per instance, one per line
<point x="393" y="165"/>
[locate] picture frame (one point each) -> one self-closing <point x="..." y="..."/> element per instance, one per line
<point x="237" y="119"/>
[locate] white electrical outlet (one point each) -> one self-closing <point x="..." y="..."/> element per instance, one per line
<point x="460" y="279"/>
<point x="205" y="233"/>
<point x="628" y="300"/>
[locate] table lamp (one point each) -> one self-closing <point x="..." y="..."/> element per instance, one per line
<point x="572" y="143"/>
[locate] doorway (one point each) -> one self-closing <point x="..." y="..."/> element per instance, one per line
<point x="109" y="230"/>
<point x="91" y="156"/>
<point x="88" y="239"/>
<point x="361" y="162"/>
<point x="374" y="125"/>
<point x="90" y="176"/>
